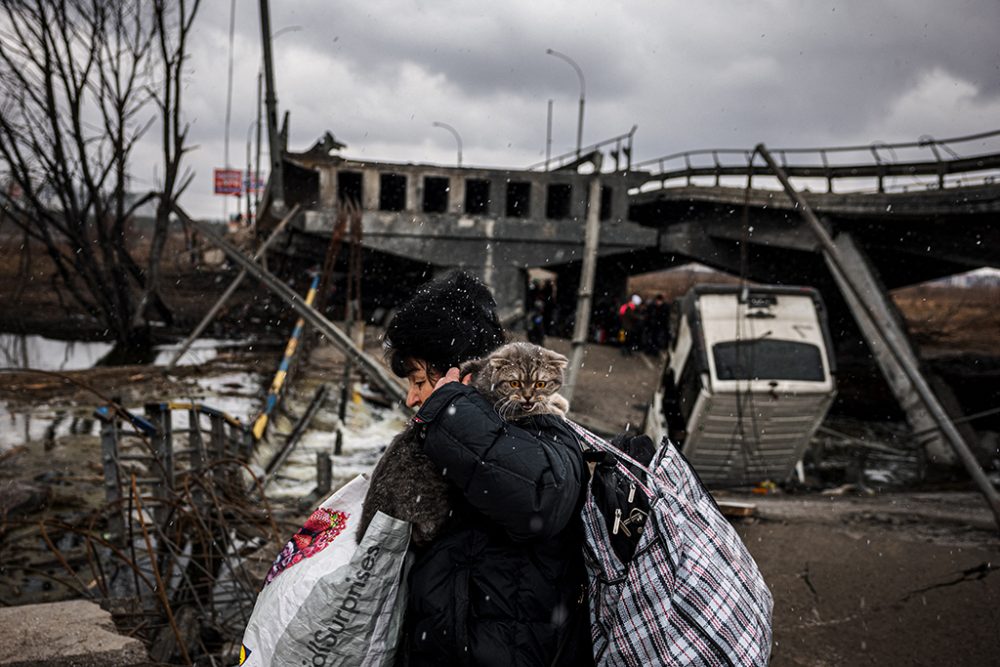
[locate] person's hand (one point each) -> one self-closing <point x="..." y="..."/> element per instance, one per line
<point x="451" y="376"/>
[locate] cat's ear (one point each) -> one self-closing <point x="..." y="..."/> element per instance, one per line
<point x="496" y="362"/>
<point x="556" y="359"/>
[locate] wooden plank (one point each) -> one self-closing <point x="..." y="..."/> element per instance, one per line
<point x="736" y="509"/>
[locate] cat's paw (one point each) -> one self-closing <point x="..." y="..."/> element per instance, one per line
<point x="559" y="405"/>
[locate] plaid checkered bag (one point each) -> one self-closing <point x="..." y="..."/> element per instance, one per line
<point x="692" y="593"/>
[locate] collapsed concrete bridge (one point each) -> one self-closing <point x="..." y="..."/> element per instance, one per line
<point x="897" y="222"/>
<point x="500" y="222"/>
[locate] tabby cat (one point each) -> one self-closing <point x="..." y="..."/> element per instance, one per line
<point x="520" y="379"/>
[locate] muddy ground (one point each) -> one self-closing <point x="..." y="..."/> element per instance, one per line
<point x="891" y="574"/>
<point x="899" y="579"/>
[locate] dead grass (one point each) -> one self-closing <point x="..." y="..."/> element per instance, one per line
<point x="33" y="302"/>
<point x="943" y="320"/>
<point x="951" y="320"/>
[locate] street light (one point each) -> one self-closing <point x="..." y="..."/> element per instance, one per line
<point x="249" y="179"/>
<point x="288" y="28"/>
<point x="579" y="73"/>
<point x="458" y="139"/>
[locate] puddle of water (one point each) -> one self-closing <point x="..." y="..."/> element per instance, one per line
<point x="17" y="428"/>
<point x="201" y="351"/>
<point x="233" y="393"/>
<point x="369" y="430"/>
<point x="49" y="354"/>
<point x="237" y="394"/>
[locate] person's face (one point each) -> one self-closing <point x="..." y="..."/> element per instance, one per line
<point x="421" y="379"/>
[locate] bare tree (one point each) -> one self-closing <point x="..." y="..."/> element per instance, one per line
<point x="173" y="25"/>
<point x="78" y="83"/>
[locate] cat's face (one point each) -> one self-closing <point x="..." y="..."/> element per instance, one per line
<point x="521" y="378"/>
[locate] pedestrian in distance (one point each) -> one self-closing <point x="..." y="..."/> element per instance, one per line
<point x="535" y="323"/>
<point x="629" y="322"/>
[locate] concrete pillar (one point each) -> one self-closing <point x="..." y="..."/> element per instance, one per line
<point x="456" y="196"/>
<point x="537" y="199"/>
<point x="872" y="291"/>
<point x="507" y="283"/>
<point x="370" y="185"/>
<point x="498" y="197"/>
<point x="327" y="187"/>
<point x="414" y="192"/>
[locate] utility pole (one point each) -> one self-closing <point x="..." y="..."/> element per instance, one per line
<point x="256" y="170"/>
<point x="585" y="295"/>
<point x="277" y="181"/>
<point x="247" y="178"/>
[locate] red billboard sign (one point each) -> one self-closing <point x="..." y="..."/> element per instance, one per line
<point x="228" y="181"/>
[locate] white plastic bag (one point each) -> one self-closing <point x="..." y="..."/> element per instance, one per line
<point x="329" y="600"/>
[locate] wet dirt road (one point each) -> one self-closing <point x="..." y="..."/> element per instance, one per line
<point x="880" y="581"/>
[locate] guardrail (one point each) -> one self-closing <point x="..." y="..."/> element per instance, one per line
<point x="884" y="162"/>
<point x="622" y="149"/>
<point x="152" y="449"/>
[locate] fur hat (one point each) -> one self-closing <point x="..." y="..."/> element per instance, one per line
<point x="448" y="321"/>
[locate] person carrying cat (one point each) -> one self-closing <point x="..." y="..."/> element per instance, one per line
<point x="502" y="580"/>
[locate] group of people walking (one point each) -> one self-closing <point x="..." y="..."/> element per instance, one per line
<point x="643" y="325"/>
<point x="637" y="325"/>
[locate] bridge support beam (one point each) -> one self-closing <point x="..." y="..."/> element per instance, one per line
<point x="855" y="263"/>
<point x="507" y="282"/>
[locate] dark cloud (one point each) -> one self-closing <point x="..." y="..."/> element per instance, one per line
<point x="691" y="75"/>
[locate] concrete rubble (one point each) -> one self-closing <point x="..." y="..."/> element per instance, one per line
<point x="75" y="633"/>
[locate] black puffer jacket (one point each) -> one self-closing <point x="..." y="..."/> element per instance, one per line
<point x="502" y="584"/>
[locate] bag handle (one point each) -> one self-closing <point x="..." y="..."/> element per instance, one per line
<point x="600" y="443"/>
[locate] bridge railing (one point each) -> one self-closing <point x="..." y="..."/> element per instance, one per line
<point x="937" y="158"/>
<point x="619" y="149"/>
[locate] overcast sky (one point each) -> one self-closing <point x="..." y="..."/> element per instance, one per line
<point x="690" y="74"/>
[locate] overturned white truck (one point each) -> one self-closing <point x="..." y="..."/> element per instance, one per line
<point x="749" y="379"/>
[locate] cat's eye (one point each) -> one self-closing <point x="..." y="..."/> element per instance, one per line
<point x="540" y="384"/>
<point x="515" y="383"/>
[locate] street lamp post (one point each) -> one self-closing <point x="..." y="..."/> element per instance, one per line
<point x="458" y="139"/>
<point x="249" y="178"/>
<point x="548" y="136"/>
<point x="579" y="73"/>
